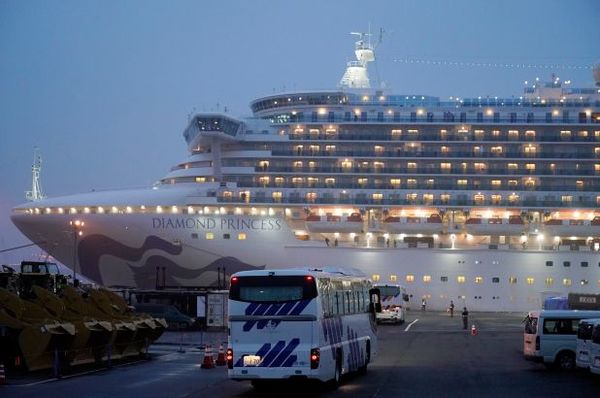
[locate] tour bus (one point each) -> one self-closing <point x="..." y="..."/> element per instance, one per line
<point x="595" y="350"/>
<point x="394" y="301"/>
<point x="300" y="323"/>
<point x="551" y="336"/>
<point x="584" y="342"/>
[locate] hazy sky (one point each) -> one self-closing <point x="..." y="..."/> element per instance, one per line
<point x="104" y="87"/>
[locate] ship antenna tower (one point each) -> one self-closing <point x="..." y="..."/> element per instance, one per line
<point x="356" y="75"/>
<point x="36" y="193"/>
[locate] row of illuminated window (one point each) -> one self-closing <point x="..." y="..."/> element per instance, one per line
<point x="460" y="132"/>
<point x="462" y="279"/>
<point x="212" y="236"/>
<point x="332" y="182"/>
<point x="426" y="197"/>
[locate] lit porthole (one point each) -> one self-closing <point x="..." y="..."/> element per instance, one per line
<point x="375" y="277"/>
<point x="242" y="236"/>
<point x="210" y="236"/>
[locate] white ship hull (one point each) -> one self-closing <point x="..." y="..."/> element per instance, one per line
<point x="126" y="249"/>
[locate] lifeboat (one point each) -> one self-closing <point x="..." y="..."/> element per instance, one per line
<point x="513" y="225"/>
<point x="554" y="227"/>
<point x="331" y="223"/>
<point x="413" y="225"/>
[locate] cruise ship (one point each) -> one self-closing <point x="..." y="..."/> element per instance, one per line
<point x="491" y="202"/>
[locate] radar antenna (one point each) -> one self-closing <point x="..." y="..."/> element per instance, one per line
<point x="36" y="193"/>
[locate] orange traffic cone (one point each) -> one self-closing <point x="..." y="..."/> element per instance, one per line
<point x="2" y="375"/>
<point x="221" y="361"/>
<point x="208" y="362"/>
<point x="473" y="331"/>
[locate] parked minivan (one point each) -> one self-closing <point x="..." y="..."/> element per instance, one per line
<point x="175" y="318"/>
<point x="595" y="350"/>
<point x="584" y="342"/>
<point x="550" y="336"/>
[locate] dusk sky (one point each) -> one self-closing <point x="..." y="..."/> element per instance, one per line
<point x="104" y="88"/>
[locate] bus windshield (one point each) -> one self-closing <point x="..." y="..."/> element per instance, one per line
<point x="273" y="289"/>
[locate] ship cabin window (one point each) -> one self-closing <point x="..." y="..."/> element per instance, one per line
<point x="393" y="278"/>
<point x="530" y="135"/>
<point x="242" y="236"/>
<point x="584" y="282"/>
<point x="495" y="279"/>
<point x="396" y="116"/>
<point x="478" y="279"/>
<point x="363" y="116"/>
<point x="567" y="199"/>
<point x="410" y="278"/>
<point x="530" y="280"/>
<point x="597" y="151"/>
<point x="549" y="263"/>
<point x="347" y="116"/>
<point x="512" y="280"/>
<point x="277" y="196"/>
<point x="567" y="282"/>
<point x="495" y="133"/>
<point x="460" y="279"/>
<point x="194" y="236"/>
<point x="226" y="236"/>
<point x="395" y="182"/>
<point x="375" y="277"/>
<point x="210" y="236"/>
<point x="426" y="278"/>
<point x="582" y="134"/>
<point x="566" y="263"/>
<point x="584" y="264"/>
<point x="549" y="281"/>
<point x="443" y="279"/>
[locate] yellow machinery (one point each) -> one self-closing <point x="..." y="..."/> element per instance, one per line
<point x="42" y="329"/>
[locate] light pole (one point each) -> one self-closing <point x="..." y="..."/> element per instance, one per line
<point x="77" y="226"/>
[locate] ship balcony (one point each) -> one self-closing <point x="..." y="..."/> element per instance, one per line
<point x="426" y="171"/>
<point x="439" y="117"/>
<point x="364" y="201"/>
<point x="582" y="154"/>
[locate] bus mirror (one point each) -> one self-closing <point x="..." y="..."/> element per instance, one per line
<point x="375" y="303"/>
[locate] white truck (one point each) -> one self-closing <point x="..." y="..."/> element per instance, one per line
<point x="394" y="302"/>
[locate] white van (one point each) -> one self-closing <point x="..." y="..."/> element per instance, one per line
<point x="584" y="341"/>
<point x="595" y="350"/>
<point x="550" y="336"/>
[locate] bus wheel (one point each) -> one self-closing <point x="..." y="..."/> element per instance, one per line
<point x="363" y="369"/>
<point x="337" y="375"/>
<point x="566" y="360"/>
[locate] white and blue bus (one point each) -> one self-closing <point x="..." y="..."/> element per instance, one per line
<point x="300" y="323"/>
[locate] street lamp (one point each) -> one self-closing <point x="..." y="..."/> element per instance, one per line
<point x="76" y="226"/>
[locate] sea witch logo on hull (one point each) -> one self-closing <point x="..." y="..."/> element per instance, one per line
<point x="224" y="224"/>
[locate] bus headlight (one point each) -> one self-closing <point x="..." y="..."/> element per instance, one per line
<point x="315" y="357"/>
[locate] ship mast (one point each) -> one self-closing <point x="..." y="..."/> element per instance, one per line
<point x="36" y="192"/>
<point x="356" y="75"/>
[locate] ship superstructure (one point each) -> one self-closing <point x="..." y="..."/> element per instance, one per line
<point x="490" y="200"/>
